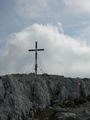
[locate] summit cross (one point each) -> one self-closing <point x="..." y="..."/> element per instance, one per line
<point x="36" y="53"/>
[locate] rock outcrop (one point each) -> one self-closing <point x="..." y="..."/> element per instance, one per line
<point x="64" y="114"/>
<point x="21" y="94"/>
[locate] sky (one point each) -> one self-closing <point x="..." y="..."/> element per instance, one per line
<point x="61" y="27"/>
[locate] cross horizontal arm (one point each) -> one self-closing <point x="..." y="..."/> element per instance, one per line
<point x="31" y="50"/>
<point x="40" y="49"/>
<point x="36" y="50"/>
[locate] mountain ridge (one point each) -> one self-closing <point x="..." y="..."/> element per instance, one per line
<point x="20" y="92"/>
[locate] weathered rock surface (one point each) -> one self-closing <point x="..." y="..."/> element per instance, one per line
<point x="21" y="95"/>
<point x="67" y="115"/>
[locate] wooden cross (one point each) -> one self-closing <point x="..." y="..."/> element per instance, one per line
<point x="36" y="51"/>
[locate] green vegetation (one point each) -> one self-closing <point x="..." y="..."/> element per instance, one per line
<point x="88" y="97"/>
<point x="50" y="112"/>
<point x="68" y="104"/>
<point x="80" y="100"/>
<point x="74" y="103"/>
<point x="45" y="113"/>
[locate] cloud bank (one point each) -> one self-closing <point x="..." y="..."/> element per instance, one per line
<point x="32" y="9"/>
<point x="78" y="6"/>
<point x="47" y="8"/>
<point x="63" y="54"/>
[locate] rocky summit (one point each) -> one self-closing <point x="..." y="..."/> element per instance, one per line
<point x="44" y="97"/>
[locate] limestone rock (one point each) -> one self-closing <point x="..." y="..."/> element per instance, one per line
<point x="41" y="93"/>
<point x="65" y="116"/>
<point x="21" y="95"/>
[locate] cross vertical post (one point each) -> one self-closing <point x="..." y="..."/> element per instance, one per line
<point x="36" y="53"/>
<point x="36" y="57"/>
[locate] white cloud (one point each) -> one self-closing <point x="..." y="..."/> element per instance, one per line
<point x="32" y="8"/>
<point x="63" y="54"/>
<point x="78" y="6"/>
